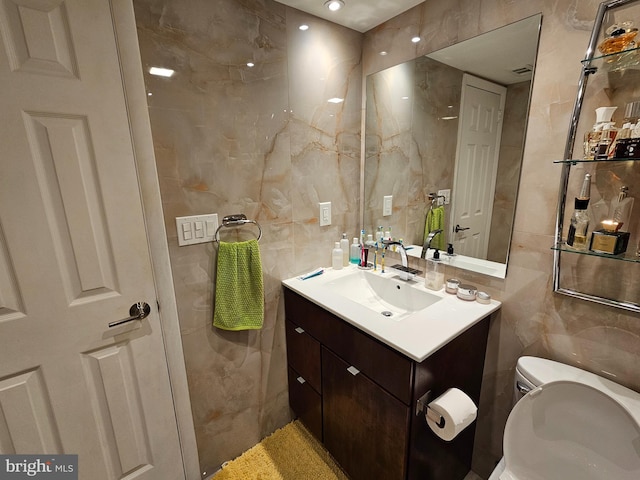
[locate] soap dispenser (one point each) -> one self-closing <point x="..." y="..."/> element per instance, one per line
<point x="434" y="278"/>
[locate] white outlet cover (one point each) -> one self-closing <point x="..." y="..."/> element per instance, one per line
<point x="387" y="205"/>
<point x="325" y="213"/>
<point x="447" y="197"/>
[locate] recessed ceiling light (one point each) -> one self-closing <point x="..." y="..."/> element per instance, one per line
<point x="303" y="27"/>
<point x="161" y="72"/>
<point x="415" y="39"/>
<point x="334" y="5"/>
<point x="335" y="100"/>
<point x="250" y="64"/>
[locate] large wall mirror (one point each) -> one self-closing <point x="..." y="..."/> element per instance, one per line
<point x="444" y="137"/>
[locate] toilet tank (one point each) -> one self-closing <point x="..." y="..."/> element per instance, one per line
<point x="531" y="372"/>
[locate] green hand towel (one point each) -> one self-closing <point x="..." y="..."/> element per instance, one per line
<point x="435" y="221"/>
<point x="239" y="303"/>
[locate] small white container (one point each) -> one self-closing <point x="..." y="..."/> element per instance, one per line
<point x="451" y="285"/>
<point x="466" y="292"/>
<point x="483" y="297"/>
<point x="344" y="246"/>
<point x="336" y="257"/>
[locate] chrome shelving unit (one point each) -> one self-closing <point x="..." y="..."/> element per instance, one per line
<point x="629" y="59"/>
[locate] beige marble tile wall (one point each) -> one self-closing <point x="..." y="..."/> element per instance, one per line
<point x="259" y="140"/>
<point x="533" y="319"/>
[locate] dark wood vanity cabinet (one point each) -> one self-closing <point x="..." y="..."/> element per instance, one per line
<point x="364" y="426"/>
<point x="358" y="396"/>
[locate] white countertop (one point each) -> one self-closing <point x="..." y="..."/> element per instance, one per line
<point x="417" y="335"/>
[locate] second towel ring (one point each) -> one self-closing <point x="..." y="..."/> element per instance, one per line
<point x="236" y="220"/>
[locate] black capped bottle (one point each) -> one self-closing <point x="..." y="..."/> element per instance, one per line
<point x="579" y="225"/>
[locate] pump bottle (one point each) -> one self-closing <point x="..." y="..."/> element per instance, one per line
<point x="434" y="278"/>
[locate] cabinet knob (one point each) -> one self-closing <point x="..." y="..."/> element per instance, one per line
<point x="300" y="330"/>
<point x="353" y="370"/>
<point x="301" y="380"/>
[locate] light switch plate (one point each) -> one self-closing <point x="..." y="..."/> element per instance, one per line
<point x="387" y="205"/>
<point x="196" y="229"/>
<point x="447" y="197"/>
<point x="325" y="213"/>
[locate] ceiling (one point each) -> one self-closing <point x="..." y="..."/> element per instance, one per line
<point x="359" y="15"/>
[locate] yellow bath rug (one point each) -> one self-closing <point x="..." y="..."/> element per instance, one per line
<point x="290" y="453"/>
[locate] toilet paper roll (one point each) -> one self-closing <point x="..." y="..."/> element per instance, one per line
<point x="458" y="411"/>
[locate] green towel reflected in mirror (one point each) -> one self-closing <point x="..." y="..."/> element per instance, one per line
<point x="435" y="221"/>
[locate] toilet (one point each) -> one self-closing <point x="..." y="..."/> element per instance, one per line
<point x="569" y="424"/>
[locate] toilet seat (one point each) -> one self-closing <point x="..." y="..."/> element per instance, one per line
<point x="572" y="431"/>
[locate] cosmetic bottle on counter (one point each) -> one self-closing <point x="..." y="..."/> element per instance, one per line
<point x="336" y="257"/>
<point x="344" y="246"/>
<point x="354" y="252"/>
<point x="577" y="235"/>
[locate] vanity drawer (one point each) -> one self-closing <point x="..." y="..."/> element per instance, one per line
<point x="303" y="354"/>
<point x="385" y="366"/>
<point x="305" y="402"/>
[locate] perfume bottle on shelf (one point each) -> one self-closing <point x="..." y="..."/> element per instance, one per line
<point x="579" y="225"/>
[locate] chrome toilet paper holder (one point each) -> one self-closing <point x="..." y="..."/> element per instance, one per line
<point x="422" y="408"/>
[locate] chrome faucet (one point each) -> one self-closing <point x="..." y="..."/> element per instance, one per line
<point x="403" y="251"/>
<point x="403" y="271"/>
<point x="427" y="242"/>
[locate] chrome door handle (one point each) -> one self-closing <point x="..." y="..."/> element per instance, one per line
<point x="138" y="311"/>
<point x="460" y="229"/>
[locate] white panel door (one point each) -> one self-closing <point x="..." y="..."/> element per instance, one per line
<point x="479" y="133"/>
<point x="74" y="254"/>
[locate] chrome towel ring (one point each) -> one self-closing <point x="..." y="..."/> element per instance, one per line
<point x="236" y="220"/>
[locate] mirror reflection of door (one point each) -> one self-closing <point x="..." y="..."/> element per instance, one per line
<point x="479" y="132"/>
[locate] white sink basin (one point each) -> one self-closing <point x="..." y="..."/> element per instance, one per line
<point x="387" y="296"/>
<point x="420" y="322"/>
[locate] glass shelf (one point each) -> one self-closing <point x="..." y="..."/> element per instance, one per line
<point x="615" y="61"/>
<point x="582" y="160"/>
<point x="628" y="256"/>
